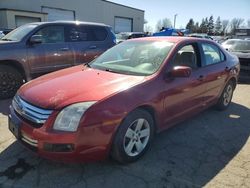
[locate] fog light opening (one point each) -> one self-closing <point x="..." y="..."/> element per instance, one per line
<point x="58" y="147"/>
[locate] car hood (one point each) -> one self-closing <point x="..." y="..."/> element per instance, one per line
<point x="8" y="45"/>
<point x="77" y="84"/>
<point x="242" y="54"/>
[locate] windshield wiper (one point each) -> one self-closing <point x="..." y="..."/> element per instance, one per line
<point x="111" y="70"/>
<point x="87" y="65"/>
<point x="6" y="39"/>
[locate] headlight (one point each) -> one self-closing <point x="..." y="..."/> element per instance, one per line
<point x="68" y="119"/>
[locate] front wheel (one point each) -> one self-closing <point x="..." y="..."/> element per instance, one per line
<point x="133" y="137"/>
<point x="226" y="96"/>
<point x="10" y="81"/>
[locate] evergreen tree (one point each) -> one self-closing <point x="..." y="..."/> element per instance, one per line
<point x="218" y="26"/>
<point x="203" y="26"/>
<point x="210" y="25"/>
<point x="197" y="28"/>
<point x="191" y="26"/>
<point x="206" y="25"/>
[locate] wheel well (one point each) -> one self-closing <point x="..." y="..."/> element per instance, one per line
<point x="16" y="65"/>
<point x="234" y="81"/>
<point x="151" y="111"/>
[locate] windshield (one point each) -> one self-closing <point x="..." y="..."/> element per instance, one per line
<point x="230" y="42"/>
<point x="122" y="36"/>
<point x="134" y="57"/>
<point x="19" y="33"/>
<point x="243" y="46"/>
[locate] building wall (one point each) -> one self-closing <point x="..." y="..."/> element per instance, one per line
<point x="85" y="10"/>
<point x="3" y="20"/>
<point x="11" y="15"/>
<point x="111" y="10"/>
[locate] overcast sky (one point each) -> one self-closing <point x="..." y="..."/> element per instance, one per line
<point x="196" y="9"/>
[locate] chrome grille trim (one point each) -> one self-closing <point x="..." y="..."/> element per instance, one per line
<point x="30" y="112"/>
<point x="29" y="141"/>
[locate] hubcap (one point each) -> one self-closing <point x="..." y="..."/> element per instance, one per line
<point x="136" y="137"/>
<point x="227" y="96"/>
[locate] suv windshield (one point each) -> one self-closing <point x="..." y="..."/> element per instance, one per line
<point x="241" y="46"/>
<point x="19" y="33"/>
<point x="134" y="57"/>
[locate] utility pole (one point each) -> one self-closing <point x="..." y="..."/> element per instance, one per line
<point x="175" y="19"/>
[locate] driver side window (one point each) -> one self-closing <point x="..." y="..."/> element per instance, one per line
<point x="52" y="34"/>
<point x="186" y="56"/>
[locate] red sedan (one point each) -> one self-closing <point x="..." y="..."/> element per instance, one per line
<point x="114" y="105"/>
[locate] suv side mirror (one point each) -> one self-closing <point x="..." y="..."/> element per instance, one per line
<point x="181" y="71"/>
<point x="36" y="39"/>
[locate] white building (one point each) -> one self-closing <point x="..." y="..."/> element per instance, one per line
<point x="120" y="17"/>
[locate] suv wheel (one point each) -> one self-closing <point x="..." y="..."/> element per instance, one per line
<point x="10" y="81"/>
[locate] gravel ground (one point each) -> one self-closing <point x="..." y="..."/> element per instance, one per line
<point x="211" y="149"/>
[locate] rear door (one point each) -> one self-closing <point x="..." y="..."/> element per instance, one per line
<point x="53" y="53"/>
<point x="87" y="41"/>
<point x="214" y="63"/>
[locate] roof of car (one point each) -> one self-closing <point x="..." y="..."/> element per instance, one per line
<point x="70" y="22"/>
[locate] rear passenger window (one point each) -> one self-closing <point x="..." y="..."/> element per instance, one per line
<point x="99" y="33"/>
<point x="86" y="33"/>
<point x="212" y="54"/>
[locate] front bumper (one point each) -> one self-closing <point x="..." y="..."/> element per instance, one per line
<point x="88" y="144"/>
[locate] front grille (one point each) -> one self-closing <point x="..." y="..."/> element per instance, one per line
<point x="29" y="112"/>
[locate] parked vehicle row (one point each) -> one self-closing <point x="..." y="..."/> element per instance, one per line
<point x="241" y="48"/>
<point x="40" y="48"/>
<point x="114" y="105"/>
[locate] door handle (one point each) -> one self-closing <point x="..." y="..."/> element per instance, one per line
<point x="92" y="47"/>
<point x="200" y="78"/>
<point x="64" y="49"/>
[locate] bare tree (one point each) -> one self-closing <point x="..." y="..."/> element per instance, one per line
<point x="148" y="28"/>
<point x="236" y="23"/>
<point x="166" y="23"/>
<point x="224" y="26"/>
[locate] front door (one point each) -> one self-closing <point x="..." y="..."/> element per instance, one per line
<point x="52" y="54"/>
<point x="184" y="96"/>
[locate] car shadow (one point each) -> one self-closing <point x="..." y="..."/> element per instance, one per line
<point x="4" y="106"/>
<point x="190" y="154"/>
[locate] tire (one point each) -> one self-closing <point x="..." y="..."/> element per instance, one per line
<point x="10" y="81"/>
<point x="226" y="97"/>
<point x="133" y="137"/>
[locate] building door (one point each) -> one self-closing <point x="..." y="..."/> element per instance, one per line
<point x="123" y="24"/>
<point x="21" y="20"/>
<point x="59" y="14"/>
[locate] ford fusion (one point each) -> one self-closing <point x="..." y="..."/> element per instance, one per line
<point x="113" y="106"/>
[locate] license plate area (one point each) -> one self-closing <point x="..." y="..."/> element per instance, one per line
<point x="14" y="127"/>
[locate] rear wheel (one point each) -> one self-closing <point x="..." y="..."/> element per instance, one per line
<point x="10" y="81"/>
<point x="133" y="137"/>
<point x="226" y="96"/>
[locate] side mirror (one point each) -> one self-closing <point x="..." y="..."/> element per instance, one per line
<point x="181" y="71"/>
<point x="36" y="39"/>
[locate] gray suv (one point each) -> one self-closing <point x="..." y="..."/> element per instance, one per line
<point x="38" y="48"/>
